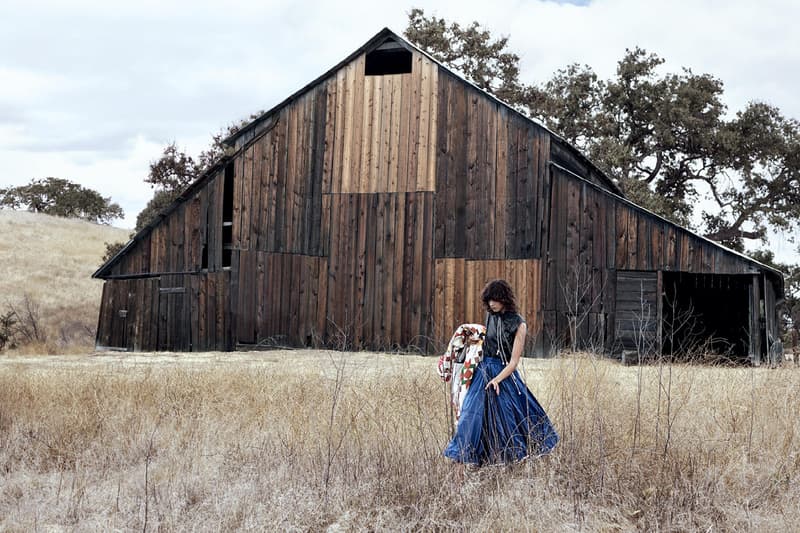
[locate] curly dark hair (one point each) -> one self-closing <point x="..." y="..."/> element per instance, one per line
<point x="500" y="291"/>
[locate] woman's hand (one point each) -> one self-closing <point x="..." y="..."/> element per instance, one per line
<point x="495" y="384"/>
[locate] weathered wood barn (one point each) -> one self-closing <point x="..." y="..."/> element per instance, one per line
<point x="368" y="209"/>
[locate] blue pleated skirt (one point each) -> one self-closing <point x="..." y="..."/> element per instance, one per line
<point x="500" y="428"/>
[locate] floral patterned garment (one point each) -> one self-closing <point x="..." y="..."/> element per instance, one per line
<point x="467" y="341"/>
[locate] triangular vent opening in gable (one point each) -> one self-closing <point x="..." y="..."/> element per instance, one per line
<point x="389" y="58"/>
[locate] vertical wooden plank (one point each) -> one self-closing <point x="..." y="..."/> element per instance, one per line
<point x="359" y="239"/>
<point x="755" y="322"/>
<point x="489" y="182"/>
<point x="433" y="116"/>
<point x="347" y="133"/>
<point x="211" y="310"/>
<point x="394" y="133"/>
<point x="356" y="137"/>
<point x="545" y="175"/>
<point x="397" y="280"/>
<point x="271" y="288"/>
<point x="470" y="298"/>
<point x="381" y="256"/>
<point x="417" y="317"/>
<point x="376" y="150"/>
<point x="333" y="277"/>
<point x="449" y="297"/>
<point x="262" y="183"/>
<point x="294" y="263"/>
<point x="217" y="219"/>
<point x="526" y="177"/>
<point x="512" y="193"/>
<point x="643" y="247"/>
<point x="102" y="336"/>
<point x="410" y="238"/>
<point x="403" y="133"/>
<point x="293" y="176"/>
<point x="256" y="192"/>
<point x="367" y="121"/>
<point x="389" y="252"/>
<point x="622" y="236"/>
<point x="305" y="186"/>
<point x="308" y="281"/>
<point x="221" y="288"/>
<point x="340" y="129"/>
<point x="441" y="212"/>
<point x="317" y="207"/>
<point x="457" y="173"/>
<point x="534" y="153"/>
<point x="425" y="98"/>
<point x="384" y="184"/>
<point x="438" y="299"/>
<point x="472" y="177"/>
<point x="243" y="222"/>
<point x="501" y="181"/>
<point x="259" y="290"/>
<point x="322" y="299"/>
<point x="414" y="122"/>
<point x="329" y="135"/>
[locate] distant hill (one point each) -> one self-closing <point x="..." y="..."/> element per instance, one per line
<point x="52" y="260"/>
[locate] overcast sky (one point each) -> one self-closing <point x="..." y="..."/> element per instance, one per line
<point x="91" y="91"/>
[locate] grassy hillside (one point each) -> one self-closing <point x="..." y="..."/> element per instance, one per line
<point x="52" y="259"/>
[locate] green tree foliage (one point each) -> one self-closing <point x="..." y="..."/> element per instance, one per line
<point x="175" y="170"/>
<point x="63" y="198"/>
<point x="111" y="250"/>
<point x="169" y="175"/>
<point x="160" y="200"/>
<point x="471" y="51"/>
<point x="664" y="137"/>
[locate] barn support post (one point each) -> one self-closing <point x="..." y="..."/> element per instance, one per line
<point x="767" y="322"/>
<point x="755" y="321"/>
<point x="659" y="313"/>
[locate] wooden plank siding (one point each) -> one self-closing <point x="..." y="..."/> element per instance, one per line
<point x="368" y="212"/>
<point x="458" y="287"/>
<point x="593" y="235"/>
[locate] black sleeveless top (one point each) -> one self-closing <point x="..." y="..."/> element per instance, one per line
<point x="503" y="324"/>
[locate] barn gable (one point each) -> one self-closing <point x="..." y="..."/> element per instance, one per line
<point x="368" y="209"/>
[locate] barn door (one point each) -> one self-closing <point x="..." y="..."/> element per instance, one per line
<point x="174" y="331"/>
<point x="637" y="313"/>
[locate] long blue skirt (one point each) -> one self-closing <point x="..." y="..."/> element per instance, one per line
<point x="500" y="428"/>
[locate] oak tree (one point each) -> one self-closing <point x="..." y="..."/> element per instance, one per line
<point x="665" y="138"/>
<point x="63" y="198"/>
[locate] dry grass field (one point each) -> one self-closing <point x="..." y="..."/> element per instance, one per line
<point x="331" y="441"/>
<point x="51" y="259"/>
<point x="315" y="441"/>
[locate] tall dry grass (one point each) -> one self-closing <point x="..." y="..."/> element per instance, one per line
<point x="310" y="441"/>
<point x="51" y="260"/>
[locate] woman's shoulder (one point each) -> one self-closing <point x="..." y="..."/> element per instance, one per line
<point x="514" y="319"/>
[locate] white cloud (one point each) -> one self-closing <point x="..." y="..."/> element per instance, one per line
<point x="93" y="90"/>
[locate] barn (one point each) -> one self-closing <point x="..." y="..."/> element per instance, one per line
<point x="368" y="209"/>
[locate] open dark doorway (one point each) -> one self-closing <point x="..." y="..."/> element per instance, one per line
<point x="708" y="311"/>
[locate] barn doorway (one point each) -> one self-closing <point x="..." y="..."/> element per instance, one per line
<point x="174" y="332"/>
<point x="707" y="313"/>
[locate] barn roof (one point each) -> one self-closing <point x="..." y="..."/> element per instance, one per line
<point x="248" y="132"/>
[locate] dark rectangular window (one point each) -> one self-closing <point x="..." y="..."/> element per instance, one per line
<point x="227" y="195"/>
<point x="227" y="217"/>
<point x="388" y="61"/>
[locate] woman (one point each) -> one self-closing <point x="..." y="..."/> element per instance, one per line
<point x="500" y="421"/>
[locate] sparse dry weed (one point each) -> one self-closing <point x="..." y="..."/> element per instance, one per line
<point x="308" y="441"/>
